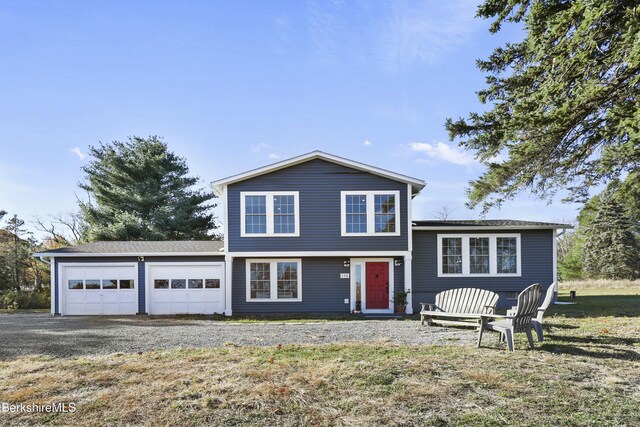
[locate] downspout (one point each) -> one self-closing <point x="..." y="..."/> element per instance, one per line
<point x="555" y="258"/>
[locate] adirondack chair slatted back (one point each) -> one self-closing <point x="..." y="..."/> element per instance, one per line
<point x="466" y="300"/>
<point x="547" y="302"/>
<point x="527" y="308"/>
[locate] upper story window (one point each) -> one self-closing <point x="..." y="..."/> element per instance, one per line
<point x="370" y="213"/>
<point x="479" y="255"/>
<point x="269" y="214"/>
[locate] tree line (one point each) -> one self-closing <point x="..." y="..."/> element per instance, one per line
<point x="604" y="244"/>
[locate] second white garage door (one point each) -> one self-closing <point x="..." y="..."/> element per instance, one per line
<point x="181" y="288"/>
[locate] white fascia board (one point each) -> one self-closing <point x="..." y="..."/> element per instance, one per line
<point x="217" y="186"/>
<point x="130" y="254"/>
<point x="488" y="228"/>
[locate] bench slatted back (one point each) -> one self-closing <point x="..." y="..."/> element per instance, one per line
<point x="466" y="300"/>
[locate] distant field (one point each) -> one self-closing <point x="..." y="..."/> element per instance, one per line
<point x="587" y="372"/>
<point x="632" y="286"/>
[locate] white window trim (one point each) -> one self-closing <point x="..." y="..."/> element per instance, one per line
<point x="493" y="255"/>
<point x="371" y="218"/>
<point x="270" y="213"/>
<point x="273" y="268"/>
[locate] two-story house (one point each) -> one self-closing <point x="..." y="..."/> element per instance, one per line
<point x="313" y="234"/>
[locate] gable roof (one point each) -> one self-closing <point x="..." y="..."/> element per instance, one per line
<point x="471" y="224"/>
<point x="139" y="248"/>
<point x="416" y="184"/>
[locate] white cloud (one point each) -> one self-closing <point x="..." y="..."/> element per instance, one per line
<point x="274" y="156"/>
<point x="442" y="151"/>
<point x="366" y="143"/>
<point x="397" y="34"/>
<point x="78" y="152"/>
<point x="426" y="32"/>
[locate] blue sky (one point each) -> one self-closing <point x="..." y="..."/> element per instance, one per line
<point x="234" y="85"/>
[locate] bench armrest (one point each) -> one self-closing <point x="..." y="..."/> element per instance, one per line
<point x="490" y="308"/>
<point x="432" y="306"/>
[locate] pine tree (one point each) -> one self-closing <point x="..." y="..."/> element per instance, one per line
<point x="563" y="104"/>
<point x="139" y="190"/>
<point x="15" y="253"/>
<point x="611" y="249"/>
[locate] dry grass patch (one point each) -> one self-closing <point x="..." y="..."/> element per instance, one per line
<point x="587" y="372"/>
<point x="630" y="286"/>
<point x="371" y="384"/>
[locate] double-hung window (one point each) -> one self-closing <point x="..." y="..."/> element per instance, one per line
<point x="479" y="255"/>
<point x="269" y="214"/>
<point x="274" y="280"/>
<point x="370" y="213"/>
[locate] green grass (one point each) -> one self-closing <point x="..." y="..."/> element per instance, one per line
<point x="587" y="372"/>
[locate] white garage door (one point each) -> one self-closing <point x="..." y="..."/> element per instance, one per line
<point x="98" y="289"/>
<point x="180" y="288"/>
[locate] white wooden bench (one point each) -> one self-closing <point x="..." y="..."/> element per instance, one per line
<point x="462" y="307"/>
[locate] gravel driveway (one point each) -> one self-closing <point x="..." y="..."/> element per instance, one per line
<point x="40" y="333"/>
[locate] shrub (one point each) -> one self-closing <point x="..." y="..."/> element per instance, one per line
<point x="13" y="300"/>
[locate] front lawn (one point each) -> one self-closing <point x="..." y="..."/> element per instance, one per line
<point x="587" y="372"/>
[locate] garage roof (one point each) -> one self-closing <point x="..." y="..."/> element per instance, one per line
<point x="172" y="247"/>
<point x="485" y="224"/>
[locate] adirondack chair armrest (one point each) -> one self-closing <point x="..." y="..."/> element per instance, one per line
<point x="495" y="316"/>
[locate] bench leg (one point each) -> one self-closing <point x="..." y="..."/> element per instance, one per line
<point x="422" y="319"/>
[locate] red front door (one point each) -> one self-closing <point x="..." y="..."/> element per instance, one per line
<point x="377" y="285"/>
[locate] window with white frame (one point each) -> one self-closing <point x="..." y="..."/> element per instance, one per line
<point x="269" y="214"/>
<point x="479" y="255"/>
<point x="274" y="280"/>
<point x="370" y="213"/>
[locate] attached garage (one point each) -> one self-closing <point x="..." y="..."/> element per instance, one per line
<point x="194" y="287"/>
<point x="127" y="278"/>
<point x="98" y="288"/>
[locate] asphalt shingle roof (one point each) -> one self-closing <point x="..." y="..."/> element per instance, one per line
<point x="138" y="247"/>
<point x="488" y="223"/>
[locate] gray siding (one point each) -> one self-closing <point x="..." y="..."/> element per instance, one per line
<point x="323" y="291"/>
<point x="319" y="183"/>
<point x="536" y="263"/>
<point x="132" y="259"/>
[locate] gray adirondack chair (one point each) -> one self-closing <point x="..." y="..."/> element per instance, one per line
<point x="519" y="321"/>
<point x="537" y="321"/>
